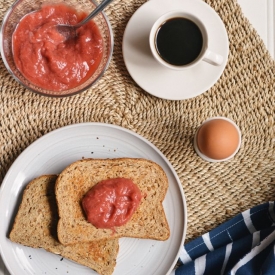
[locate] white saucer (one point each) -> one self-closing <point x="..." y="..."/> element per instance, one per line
<point x="155" y="78"/>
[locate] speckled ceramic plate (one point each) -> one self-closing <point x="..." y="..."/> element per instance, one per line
<point x="50" y="154"/>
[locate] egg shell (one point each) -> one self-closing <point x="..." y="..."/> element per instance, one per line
<point x="217" y="139"/>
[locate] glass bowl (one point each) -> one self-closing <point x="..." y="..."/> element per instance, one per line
<point x="22" y="7"/>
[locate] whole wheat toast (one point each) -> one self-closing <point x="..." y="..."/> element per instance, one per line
<point x="36" y="226"/>
<point x="149" y="220"/>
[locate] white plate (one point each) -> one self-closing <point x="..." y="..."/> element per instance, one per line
<point x="51" y="154"/>
<point x="157" y="79"/>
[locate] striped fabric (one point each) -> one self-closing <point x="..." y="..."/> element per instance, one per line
<point x="244" y="245"/>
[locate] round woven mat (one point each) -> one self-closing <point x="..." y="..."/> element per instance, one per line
<point x="245" y="93"/>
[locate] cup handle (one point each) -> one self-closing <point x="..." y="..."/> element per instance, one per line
<point x="212" y="58"/>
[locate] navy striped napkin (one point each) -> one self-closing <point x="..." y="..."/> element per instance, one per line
<point x="243" y="245"/>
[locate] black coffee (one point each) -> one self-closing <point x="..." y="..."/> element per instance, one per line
<point x="179" y="41"/>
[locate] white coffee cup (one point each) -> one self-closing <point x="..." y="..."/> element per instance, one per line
<point x="205" y="55"/>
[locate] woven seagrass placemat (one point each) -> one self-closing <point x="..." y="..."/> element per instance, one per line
<point x="245" y="93"/>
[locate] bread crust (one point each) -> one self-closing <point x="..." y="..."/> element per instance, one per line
<point x="35" y="226"/>
<point x="149" y="220"/>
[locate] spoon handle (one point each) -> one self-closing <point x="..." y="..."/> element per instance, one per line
<point x="98" y="9"/>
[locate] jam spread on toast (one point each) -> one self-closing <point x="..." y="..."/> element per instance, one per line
<point x="111" y="203"/>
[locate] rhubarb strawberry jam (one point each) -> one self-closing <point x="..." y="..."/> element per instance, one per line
<point x="49" y="60"/>
<point x="111" y="203"/>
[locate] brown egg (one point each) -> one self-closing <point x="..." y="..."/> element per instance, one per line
<point x="217" y="139"/>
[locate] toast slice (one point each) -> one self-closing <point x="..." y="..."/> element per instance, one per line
<point x="148" y="221"/>
<point x="36" y="226"/>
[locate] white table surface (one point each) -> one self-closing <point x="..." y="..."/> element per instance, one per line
<point x="261" y="14"/>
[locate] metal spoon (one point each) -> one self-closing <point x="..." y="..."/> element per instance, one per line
<point x="69" y="31"/>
